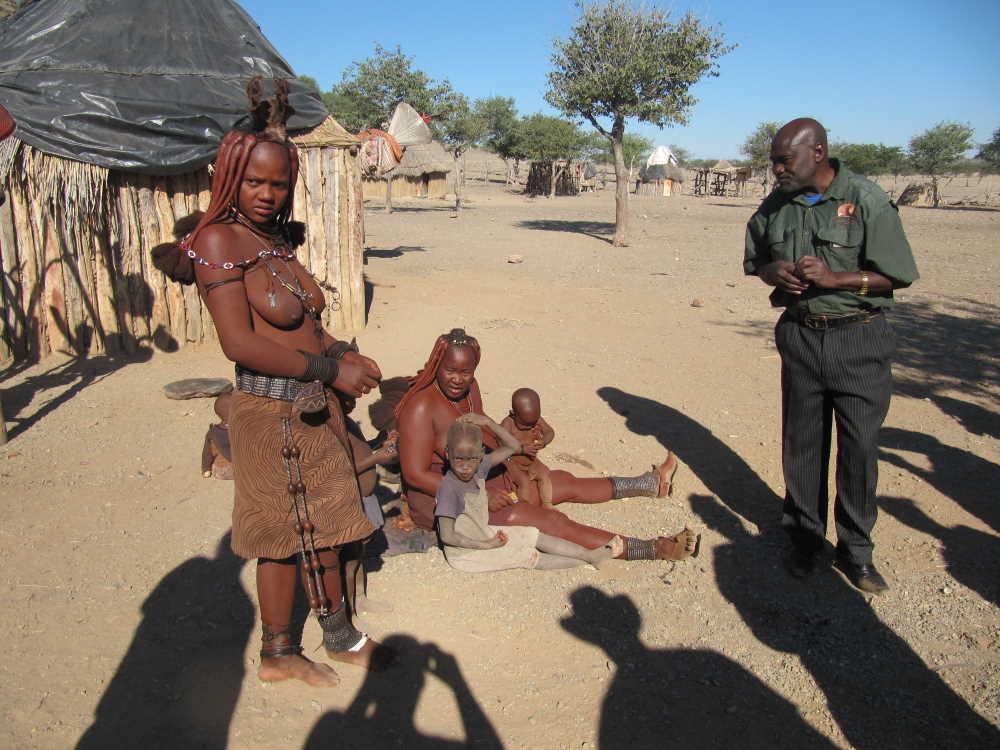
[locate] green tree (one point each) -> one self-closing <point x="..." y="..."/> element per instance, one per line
<point x="936" y="151"/>
<point x="635" y="150"/>
<point x="502" y="136"/>
<point x="311" y="83"/>
<point x="622" y="61"/>
<point x="552" y="139"/>
<point x="990" y="152"/>
<point x="370" y="89"/>
<point x="870" y="159"/>
<point x="683" y="155"/>
<point x="757" y="149"/>
<point x="460" y="128"/>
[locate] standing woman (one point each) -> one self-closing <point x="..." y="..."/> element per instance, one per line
<point x="297" y="499"/>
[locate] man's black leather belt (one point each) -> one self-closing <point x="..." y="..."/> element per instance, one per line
<point x="822" y="322"/>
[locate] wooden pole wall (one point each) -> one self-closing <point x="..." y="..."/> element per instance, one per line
<point x="87" y="288"/>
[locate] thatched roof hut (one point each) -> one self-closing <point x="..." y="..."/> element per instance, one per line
<point x="76" y="234"/>
<point x="723" y="165"/>
<point x="423" y="173"/>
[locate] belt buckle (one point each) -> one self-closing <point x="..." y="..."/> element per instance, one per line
<point x="816" y="322"/>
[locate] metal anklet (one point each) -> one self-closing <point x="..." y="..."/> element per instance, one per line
<point x="339" y="634"/>
<point x="644" y="485"/>
<point x="640" y="549"/>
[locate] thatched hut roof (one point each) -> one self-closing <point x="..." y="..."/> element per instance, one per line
<point x="723" y="166"/>
<point x="327" y="133"/>
<point x="424" y="158"/>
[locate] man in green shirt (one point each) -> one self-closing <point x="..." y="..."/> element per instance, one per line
<point x="831" y="244"/>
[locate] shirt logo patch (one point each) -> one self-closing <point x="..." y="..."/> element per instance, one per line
<point x="845" y="210"/>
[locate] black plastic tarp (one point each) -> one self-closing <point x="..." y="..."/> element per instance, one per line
<point x="140" y="85"/>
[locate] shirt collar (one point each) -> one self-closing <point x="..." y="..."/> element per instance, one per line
<point x="837" y="188"/>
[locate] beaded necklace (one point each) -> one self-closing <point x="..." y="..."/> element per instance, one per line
<point x="278" y="248"/>
<point x="468" y="400"/>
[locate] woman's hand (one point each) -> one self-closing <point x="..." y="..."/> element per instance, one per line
<point x="497" y="500"/>
<point x="357" y="376"/>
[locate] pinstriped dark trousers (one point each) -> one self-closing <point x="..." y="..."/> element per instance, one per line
<point x="841" y="373"/>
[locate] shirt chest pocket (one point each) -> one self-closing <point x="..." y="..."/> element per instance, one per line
<point x="839" y="244"/>
<point x="781" y="243"/>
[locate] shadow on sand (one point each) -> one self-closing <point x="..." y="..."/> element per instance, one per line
<point x="881" y="694"/>
<point x="693" y="698"/>
<point x="599" y="230"/>
<point x="717" y="465"/>
<point x="396" y="252"/>
<point x="381" y="714"/>
<point x="71" y="376"/>
<point x="179" y="681"/>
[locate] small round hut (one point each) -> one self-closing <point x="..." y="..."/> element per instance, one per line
<point x="120" y="106"/>
<point x="422" y="173"/>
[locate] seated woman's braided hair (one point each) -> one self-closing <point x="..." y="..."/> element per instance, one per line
<point x="267" y="125"/>
<point x="455" y="337"/>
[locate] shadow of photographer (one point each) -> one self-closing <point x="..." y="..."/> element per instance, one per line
<point x="180" y="679"/>
<point x="381" y="715"/>
<point x="679" y="697"/>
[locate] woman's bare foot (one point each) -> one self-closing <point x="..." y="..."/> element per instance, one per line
<point x="665" y="474"/>
<point x="373" y="656"/>
<point x="678" y="547"/>
<point x="296" y="667"/>
<point x="609" y="551"/>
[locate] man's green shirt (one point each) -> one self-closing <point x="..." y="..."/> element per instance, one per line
<point x="853" y="227"/>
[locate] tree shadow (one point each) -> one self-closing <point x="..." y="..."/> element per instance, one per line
<point x="973" y="417"/>
<point x="972" y="556"/>
<point x="942" y="348"/>
<point x="396" y="252"/>
<point x="966" y="478"/>
<point x="956" y="208"/>
<point x="717" y="465"/>
<point x="599" y="230"/>
<point x="947" y="350"/>
<point x="78" y="372"/>
<point x="179" y="681"/>
<point x="877" y="689"/>
<point x="72" y="375"/>
<point x="679" y="697"/>
<point x="381" y="714"/>
<point x="422" y="209"/>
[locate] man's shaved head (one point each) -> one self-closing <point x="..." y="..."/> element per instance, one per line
<point x="799" y="157"/>
<point x="803" y="131"/>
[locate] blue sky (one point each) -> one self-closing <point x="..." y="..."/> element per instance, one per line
<point x="872" y="72"/>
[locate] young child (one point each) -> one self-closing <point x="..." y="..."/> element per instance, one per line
<point x="526" y="424"/>
<point x="470" y="543"/>
<point x="365" y="461"/>
<point x="216" y="458"/>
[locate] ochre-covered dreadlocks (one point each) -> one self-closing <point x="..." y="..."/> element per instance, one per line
<point x="269" y="117"/>
<point x="455" y="337"/>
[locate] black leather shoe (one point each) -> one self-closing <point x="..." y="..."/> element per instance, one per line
<point x="802" y="563"/>
<point x="865" y="577"/>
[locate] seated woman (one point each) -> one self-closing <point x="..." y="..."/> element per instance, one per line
<point x="446" y="389"/>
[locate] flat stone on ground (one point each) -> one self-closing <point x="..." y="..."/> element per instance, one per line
<point x="180" y="390"/>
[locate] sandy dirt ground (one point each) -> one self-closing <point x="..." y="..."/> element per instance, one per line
<point x="127" y="623"/>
